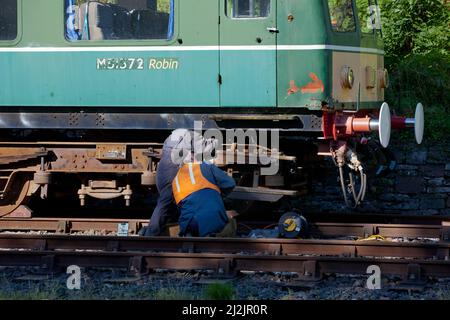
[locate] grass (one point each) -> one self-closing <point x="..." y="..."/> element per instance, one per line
<point x="220" y="291"/>
<point x="51" y="290"/>
<point x="174" y="294"/>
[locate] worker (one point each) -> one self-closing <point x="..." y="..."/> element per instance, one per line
<point x="180" y="144"/>
<point x="165" y="209"/>
<point x="197" y="189"/>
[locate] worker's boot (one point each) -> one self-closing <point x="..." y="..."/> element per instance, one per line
<point x="229" y="231"/>
<point x="171" y="230"/>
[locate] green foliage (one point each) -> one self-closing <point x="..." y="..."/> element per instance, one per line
<point x="220" y="291"/>
<point x="415" y="27"/>
<point x="363" y="15"/>
<point x="424" y="76"/>
<point x="341" y="13"/>
<point x="50" y="290"/>
<point x="417" y="44"/>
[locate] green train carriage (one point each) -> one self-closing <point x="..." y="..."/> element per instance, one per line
<point x="97" y="81"/>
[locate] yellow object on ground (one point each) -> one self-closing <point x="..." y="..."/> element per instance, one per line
<point x="373" y="237"/>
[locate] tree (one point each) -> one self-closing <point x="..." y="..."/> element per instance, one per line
<point x="417" y="44"/>
<point x="415" y="26"/>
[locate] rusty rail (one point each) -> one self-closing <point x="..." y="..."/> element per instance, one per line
<point x="437" y="230"/>
<point x="69" y="225"/>
<point x="277" y="247"/>
<point x="309" y="258"/>
<point x="226" y="263"/>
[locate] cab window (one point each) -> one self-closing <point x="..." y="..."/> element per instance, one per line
<point x="8" y="20"/>
<point x="342" y="15"/>
<point x="248" y="8"/>
<point x="119" y="19"/>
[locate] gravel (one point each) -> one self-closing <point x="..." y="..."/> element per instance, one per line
<point x="106" y="284"/>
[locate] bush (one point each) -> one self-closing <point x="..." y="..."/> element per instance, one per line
<point x="220" y="291"/>
<point x="415" y="27"/>
<point x="417" y="44"/>
<point x="423" y="78"/>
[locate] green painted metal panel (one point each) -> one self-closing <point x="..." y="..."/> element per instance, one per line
<point x="302" y="26"/>
<point x="303" y="78"/>
<point x="72" y="79"/>
<point x="307" y="25"/>
<point x="249" y="72"/>
<point x="248" y="78"/>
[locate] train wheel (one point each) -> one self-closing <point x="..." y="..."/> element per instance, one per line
<point x="15" y="198"/>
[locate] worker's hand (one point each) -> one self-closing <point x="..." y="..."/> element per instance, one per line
<point x="232" y="214"/>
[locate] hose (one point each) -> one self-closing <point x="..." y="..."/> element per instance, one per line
<point x="362" y="190"/>
<point x="344" y="191"/>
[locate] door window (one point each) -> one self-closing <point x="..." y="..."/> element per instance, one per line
<point x="248" y="8"/>
<point x="342" y="15"/>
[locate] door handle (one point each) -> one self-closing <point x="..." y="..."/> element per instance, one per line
<point x="273" y="30"/>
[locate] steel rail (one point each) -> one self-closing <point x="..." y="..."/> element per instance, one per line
<point x="317" y="229"/>
<point x="276" y="247"/>
<point x="309" y="258"/>
<point x="227" y="264"/>
<point x="68" y="225"/>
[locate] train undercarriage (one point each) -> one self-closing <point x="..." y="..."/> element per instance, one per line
<point x="105" y="171"/>
<point x="87" y="158"/>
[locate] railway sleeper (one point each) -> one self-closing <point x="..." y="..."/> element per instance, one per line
<point x="445" y="235"/>
<point x="49" y="265"/>
<point x="412" y="280"/>
<point x="310" y="272"/>
<point x="137" y="266"/>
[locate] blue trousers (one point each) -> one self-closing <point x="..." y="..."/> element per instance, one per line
<point x="166" y="208"/>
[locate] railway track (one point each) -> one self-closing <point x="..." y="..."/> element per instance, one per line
<point x="309" y="258"/>
<point x="413" y="251"/>
<point x="427" y="228"/>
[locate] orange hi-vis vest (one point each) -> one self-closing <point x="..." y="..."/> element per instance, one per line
<point x="188" y="180"/>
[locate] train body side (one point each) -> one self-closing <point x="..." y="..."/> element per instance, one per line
<point x="290" y="58"/>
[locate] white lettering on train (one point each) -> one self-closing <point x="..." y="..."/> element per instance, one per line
<point x="163" y="64"/>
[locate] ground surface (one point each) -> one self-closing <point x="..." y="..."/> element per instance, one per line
<point x="25" y="283"/>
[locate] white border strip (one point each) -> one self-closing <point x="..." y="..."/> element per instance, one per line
<point x="329" y="47"/>
<point x="193" y="48"/>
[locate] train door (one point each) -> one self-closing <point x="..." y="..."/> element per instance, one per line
<point x="248" y="37"/>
